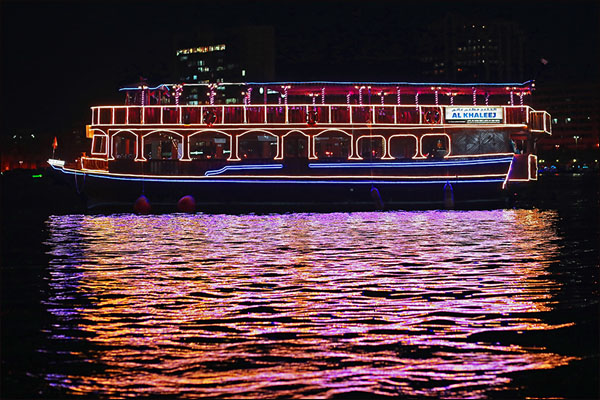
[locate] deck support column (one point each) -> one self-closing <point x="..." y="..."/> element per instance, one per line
<point x="185" y="143"/>
<point x="139" y="146"/>
<point x="233" y="147"/>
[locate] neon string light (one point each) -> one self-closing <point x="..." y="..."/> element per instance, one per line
<point x="508" y="173"/>
<point x="474" y="96"/>
<point x="242" y="168"/>
<point x="285" y="94"/>
<point x="521" y="99"/>
<point x="292" y="180"/>
<point x="487" y="99"/>
<point x="93" y="159"/>
<point x="360" y="95"/>
<point x="411" y="164"/>
<point x="164" y="85"/>
<point x="398" y="95"/>
<point x="333" y="83"/>
<point x="323" y="96"/>
<point x="310" y="177"/>
<point x="178" y="91"/>
<point x="348" y="99"/>
<point x="437" y="103"/>
<point x="417" y="101"/>
<point x="212" y="95"/>
<point x="512" y="102"/>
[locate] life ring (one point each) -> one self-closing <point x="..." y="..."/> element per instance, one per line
<point x="312" y="118"/>
<point x="210" y="117"/>
<point x="432" y="117"/>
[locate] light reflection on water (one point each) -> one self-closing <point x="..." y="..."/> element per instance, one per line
<point x="300" y="305"/>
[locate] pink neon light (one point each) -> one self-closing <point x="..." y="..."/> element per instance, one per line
<point x="474" y="97"/>
<point x="307" y="177"/>
<point x="521" y="99"/>
<point x="398" y="95"/>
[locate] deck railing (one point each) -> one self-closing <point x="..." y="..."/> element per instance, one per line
<point x="300" y="114"/>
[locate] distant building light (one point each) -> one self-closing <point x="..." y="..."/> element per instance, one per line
<point x="195" y="77"/>
<point x="202" y="49"/>
<point x="243" y="72"/>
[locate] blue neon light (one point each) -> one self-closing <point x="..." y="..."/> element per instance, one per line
<point x="149" y="88"/>
<point x="367" y="181"/>
<point x="523" y="84"/>
<point x="411" y="164"/>
<point x="242" y="167"/>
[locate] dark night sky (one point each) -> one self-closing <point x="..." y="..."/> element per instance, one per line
<point x="60" y="58"/>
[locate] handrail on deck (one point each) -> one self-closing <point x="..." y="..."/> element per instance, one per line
<point x="303" y="114"/>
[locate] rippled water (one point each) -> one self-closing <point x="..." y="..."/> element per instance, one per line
<point x="301" y="305"/>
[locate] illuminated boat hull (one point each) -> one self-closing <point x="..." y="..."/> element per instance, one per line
<point x="298" y="183"/>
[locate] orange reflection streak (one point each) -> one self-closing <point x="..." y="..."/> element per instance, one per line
<point x="293" y="305"/>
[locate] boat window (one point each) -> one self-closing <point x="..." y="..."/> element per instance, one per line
<point x="403" y="147"/>
<point x="435" y="146"/>
<point x="124" y="146"/>
<point x="370" y="147"/>
<point x="257" y="145"/>
<point x="162" y="146"/>
<point x="210" y="146"/>
<point x="333" y="145"/>
<point x="482" y="141"/>
<point x="295" y="145"/>
<point x="99" y="144"/>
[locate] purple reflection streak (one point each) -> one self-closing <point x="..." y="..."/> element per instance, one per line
<point x="208" y="305"/>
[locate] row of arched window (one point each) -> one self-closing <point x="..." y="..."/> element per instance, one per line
<point x="165" y="145"/>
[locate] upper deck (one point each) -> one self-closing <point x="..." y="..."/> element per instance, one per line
<point x="393" y="105"/>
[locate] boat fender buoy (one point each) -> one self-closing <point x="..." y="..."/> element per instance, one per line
<point x="187" y="204"/>
<point x="142" y="205"/>
<point x="376" y="198"/>
<point x="210" y="117"/>
<point x="448" y="196"/>
<point x="432" y="117"/>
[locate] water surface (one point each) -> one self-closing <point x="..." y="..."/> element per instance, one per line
<point x="431" y="303"/>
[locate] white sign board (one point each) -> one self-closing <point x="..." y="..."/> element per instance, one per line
<point x="474" y="115"/>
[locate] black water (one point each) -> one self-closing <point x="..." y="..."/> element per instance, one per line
<point x="451" y="304"/>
